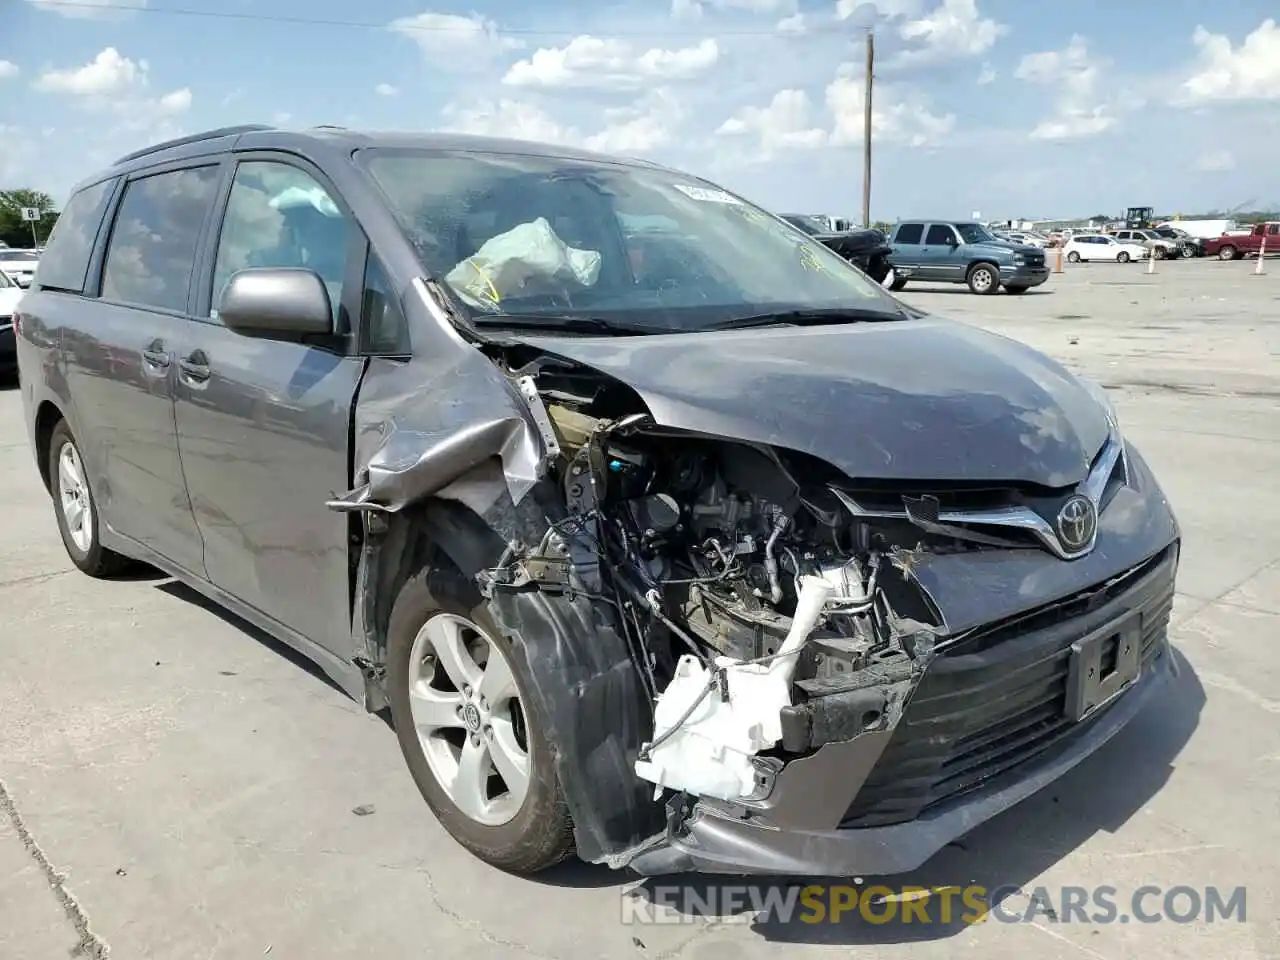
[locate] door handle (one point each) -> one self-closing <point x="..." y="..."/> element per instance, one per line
<point x="156" y="355"/>
<point x="195" y="366"/>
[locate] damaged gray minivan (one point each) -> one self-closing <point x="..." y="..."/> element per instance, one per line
<point x="667" y="537"/>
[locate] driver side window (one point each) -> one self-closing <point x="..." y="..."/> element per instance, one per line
<point x="279" y="216"/>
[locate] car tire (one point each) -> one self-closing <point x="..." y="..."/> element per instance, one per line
<point x="1159" y="253"/>
<point x="899" y="282"/>
<point x="983" y="279"/>
<point x="77" y="509"/>
<point x="1122" y="257"/>
<point x="1073" y="257"/>
<point x="1228" y="253"/>
<point x="438" y="609"/>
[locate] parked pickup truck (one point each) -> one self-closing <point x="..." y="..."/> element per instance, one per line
<point x="1231" y="246"/>
<point x="947" y="251"/>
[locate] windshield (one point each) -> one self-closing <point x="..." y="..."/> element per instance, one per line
<point x="974" y="233"/>
<point x="15" y="256"/>
<point x="528" y="236"/>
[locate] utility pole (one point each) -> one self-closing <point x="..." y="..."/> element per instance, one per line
<point x="866" y="132"/>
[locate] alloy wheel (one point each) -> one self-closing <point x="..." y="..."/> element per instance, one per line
<point x="73" y="497"/>
<point x="469" y="720"/>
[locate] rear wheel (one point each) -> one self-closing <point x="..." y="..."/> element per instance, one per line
<point x="1073" y="256"/>
<point x="457" y="692"/>
<point x="1227" y="253"/>
<point x="1122" y="256"/>
<point x="1160" y="253"/>
<point x="76" y="508"/>
<point x="983" y="279"/>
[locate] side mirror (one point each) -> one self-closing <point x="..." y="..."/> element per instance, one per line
<point x="277" y="303"/>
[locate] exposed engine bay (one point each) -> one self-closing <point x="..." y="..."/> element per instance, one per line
<point x="766" y="618"/>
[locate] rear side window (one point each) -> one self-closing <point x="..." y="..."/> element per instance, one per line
<point x="909" y="233"/>
<point x="65" y="263"/>
<point x="151" y="257"/>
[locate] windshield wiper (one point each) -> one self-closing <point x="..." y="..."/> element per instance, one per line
<point x="808" y="318"/>
<point x="572" y="323"/>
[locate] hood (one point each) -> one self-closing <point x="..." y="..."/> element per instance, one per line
<point x="1024" y="248"/>
<point x="923" y="399"/>
<point x="854" y="241"/>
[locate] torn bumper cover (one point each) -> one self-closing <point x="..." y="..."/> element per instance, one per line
<point x="967" y="748"/>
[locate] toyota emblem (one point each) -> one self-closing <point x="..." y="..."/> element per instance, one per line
<point x="1077" y="523"/>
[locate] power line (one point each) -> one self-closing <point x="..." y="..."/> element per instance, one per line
<point x="401" y="27"/>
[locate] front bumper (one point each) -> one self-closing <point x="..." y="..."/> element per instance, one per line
<point x="1024" y="276"/>
<point x="985" y="729"/>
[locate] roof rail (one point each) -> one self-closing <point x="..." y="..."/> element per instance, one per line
<point x="195" y="138"/>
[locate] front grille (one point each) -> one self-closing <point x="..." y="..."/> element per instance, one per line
<point x="1035" y="259"/>
<point x="998" y="700"/>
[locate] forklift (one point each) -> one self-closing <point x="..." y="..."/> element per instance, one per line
<point x="1139" y="218"/>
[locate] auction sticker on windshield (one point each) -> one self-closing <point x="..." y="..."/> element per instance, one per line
<point x="707" y="195"/>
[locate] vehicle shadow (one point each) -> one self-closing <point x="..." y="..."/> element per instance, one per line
<point x="180" y="591"/>
<point x="1003" y="856"/>
<point x="960" y="290"/>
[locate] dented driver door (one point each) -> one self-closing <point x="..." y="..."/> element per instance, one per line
<point x="263" y="425"/>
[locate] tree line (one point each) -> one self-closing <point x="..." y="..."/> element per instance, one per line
<point x="16" y="232"/>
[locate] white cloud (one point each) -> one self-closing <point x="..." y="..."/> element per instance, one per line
<point x="795" y="25"/>
<point x="988" y="75"/>
<point x="785" y="124"/>
<point x="179" y="101"/>
<point x="455" y="42"/>
<point x="386" y="90"/>
<point x="91" y="9"/>
<point x="8" y="70"/>
<point x="898" y="116"/>
<point x="107" y="73"/>
<point x="113" y="85"/>
<point x="1248" y="72"/>
<point x="1082" y="108"/>
<point x="889" y="9"/>
<point x="952" y="30"/>
<point x="1216" y="161"/>
<point x="693" y="9"/>
<point x="641" y="127"/>
<point x="588" y="61"/>
<point x="638" y="128"/>
<point x="509" y="118"/>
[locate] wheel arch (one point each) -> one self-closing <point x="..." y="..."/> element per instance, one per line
<point x="48" y="416"/>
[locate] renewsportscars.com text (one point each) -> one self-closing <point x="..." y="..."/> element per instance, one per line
<point x="816" y="903"/>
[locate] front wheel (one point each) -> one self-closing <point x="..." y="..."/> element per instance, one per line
<point x="983" y="279"/>
<point x="1227" y="253"/>
<point x="1159" y="253"/>
<point x="1122" y="256"/>
<point x="896" y="280"/>
<point x="458" y="699"/>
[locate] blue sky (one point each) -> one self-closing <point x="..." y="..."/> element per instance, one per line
<point x="1007" y="108"/>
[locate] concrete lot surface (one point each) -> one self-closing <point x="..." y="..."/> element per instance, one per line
<point x="174" y="785"/>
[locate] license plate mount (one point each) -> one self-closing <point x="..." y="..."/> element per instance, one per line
<point x="1103" y="665"/>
